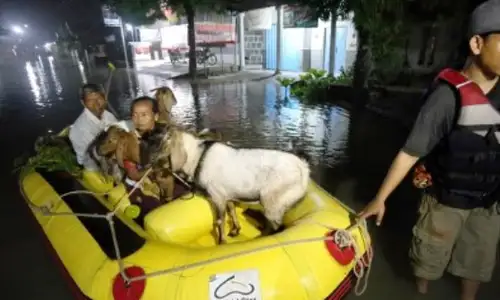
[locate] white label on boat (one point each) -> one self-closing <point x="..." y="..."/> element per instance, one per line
<point x="242" y="285"/>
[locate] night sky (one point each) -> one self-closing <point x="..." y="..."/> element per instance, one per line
<point x="45" y="16"/>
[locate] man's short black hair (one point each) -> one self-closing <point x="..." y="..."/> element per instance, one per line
<point x="153" y="102"/>
<point x="90" y="88"/>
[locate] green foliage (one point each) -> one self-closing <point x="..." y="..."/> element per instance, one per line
<point x="144" y="12"/>
<point x="138" y="12"/>
<point x="313" y="84"/>
<point x="383" y="25"/>
<point x="53" y="154"/>
<point x="345" y="76"/>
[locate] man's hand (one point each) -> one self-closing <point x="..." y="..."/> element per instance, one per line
<point x="374" y="208"/>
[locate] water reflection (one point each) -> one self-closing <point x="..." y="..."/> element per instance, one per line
<point x="254" y="114"/>
<point x="35" y="88"/>
<point x="82" y="71"/>
<point x="55" y="79"/>
<point x="42" y="78"/>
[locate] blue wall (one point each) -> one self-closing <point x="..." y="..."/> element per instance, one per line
<point x="292" y="54"/>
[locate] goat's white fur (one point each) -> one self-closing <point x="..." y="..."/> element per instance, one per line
<point x="120" y="124"/>
<point x="277" y="179"/>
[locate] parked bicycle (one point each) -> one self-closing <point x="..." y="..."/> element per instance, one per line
<point x="203" y="55"/>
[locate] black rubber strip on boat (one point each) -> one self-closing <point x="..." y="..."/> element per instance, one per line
<point x="129" y="242"/>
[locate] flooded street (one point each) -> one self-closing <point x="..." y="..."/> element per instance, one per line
<point x="350" y="154"/>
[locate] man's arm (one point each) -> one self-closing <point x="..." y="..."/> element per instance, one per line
<point x="434" y="121"/>
<point x="132" y="172"/>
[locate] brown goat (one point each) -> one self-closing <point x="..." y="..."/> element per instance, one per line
<point x="166" y="99"/>
<point x="125" y="146"/>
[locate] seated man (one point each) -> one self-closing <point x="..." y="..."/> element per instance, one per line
<point x="90" y="123"/>
<point x="144" y="112"/>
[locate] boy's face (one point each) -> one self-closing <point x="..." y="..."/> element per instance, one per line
<point x="487" y="50"/>
<point x="143" y="116"/>
<point x="96" y="103"/>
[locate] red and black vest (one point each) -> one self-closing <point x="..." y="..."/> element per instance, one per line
<point x="465" y="166"/>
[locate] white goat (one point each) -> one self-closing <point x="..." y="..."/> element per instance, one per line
<point x="275" y="178"/>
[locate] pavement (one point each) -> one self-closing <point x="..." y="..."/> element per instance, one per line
<point x="226" y="70"/>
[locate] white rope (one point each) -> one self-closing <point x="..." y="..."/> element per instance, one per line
<point x="342" y="237"/>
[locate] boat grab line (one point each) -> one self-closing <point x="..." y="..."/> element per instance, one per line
<point x="342" y="237"/>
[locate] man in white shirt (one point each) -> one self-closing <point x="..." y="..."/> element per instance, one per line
<point x="93" y="120"/>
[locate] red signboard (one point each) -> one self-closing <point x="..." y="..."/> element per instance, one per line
<point x="214" y="33"/>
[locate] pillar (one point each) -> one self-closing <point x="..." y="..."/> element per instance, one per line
<point x="241" y="40"/>
<point x="333" y="47"/>
<point x="279" y="37"/>
<point x="235" y="32"/>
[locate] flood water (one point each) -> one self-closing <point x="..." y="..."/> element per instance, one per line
<point x="350" y="155"/>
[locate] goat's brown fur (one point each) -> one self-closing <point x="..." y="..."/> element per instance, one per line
<point x="125" y="146"/>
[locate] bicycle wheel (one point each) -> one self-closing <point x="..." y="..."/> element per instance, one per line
<point x="212" y="59"/>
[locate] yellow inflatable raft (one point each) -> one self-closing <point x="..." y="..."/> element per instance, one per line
<point x="175" y="256"/>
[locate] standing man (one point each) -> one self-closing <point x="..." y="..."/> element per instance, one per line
<point x="457" y="136"/>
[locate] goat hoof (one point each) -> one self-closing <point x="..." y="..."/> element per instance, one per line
<point x="234" y="232"/>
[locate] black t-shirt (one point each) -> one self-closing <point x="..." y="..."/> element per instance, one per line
<point x="436" y="118"/>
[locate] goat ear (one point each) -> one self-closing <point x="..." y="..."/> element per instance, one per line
<point x="120" y="152"/>
<point x="174" y="99"/>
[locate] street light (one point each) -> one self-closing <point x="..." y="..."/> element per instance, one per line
<point x="17" y="30"/>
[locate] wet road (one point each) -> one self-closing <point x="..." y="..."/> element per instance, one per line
<point x="351" y="153"/>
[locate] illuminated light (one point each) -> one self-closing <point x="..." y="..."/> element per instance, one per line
<point x="129" y="27"/>
<point x="48" y="46"/>
<point x="17" y="29"/>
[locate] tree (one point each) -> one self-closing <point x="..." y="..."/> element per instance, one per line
<point x="383" y="26"/>
<point x="142" y="12"/>
<point x="378" y="24"/>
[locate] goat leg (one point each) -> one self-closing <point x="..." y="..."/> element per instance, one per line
<point x="165" y="183"/>
<point x="220" y="211"/>
<point x="235" y="224"/>
<point x="170" y="186"/>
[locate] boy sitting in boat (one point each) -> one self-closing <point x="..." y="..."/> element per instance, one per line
<point x="91" y="122"/>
